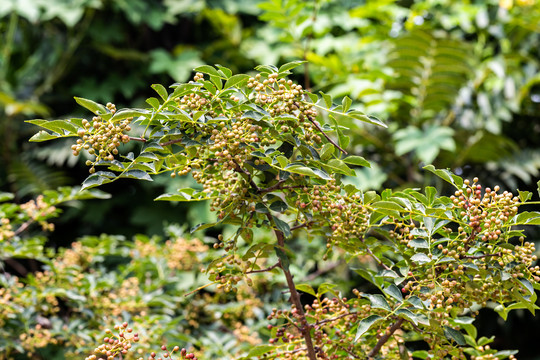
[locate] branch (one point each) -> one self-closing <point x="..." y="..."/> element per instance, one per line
<point x="250" y="178"/>
<point x="137" y="139"/>
<point x="325" y="135"/>
<point x="264" y="270"/>
<point x="295" y="297"/>
<point x="385" y="338"/>
<point x="170" y="142"/>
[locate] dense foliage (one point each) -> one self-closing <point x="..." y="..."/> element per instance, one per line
<point x="456" y="85"/>
<point x="259" y="150"/>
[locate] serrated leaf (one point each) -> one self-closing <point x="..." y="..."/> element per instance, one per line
<point x="327" y="151"/>
<point x="378" y="301"/>
<point x="97" y="179"/>
<point x="336" y="165"/>
<point x="136" y="174"/>
<point x="226" y="71"/>
<point x="160" y="89"/>
<point x="365" y="324"/>
<point x="93" y="106"/>
<point x="446" y="175"/>
<point x="153" y="102"/>
<point x="455" y="335"/>
<point x="279" y="206"/>
<point x="237" y="80"/>
<point x="393" y="291"/>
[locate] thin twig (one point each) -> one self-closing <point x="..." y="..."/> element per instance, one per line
<point x="385" y="338"/>
<point x="326" y="136"/>
<point x="170" y="142"/>
<point x="137" y="139"/>
<point x="264" y="270"/>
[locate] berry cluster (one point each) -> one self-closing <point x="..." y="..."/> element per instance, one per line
<point x="116" y="344"/>
<point x="102" y="138"/>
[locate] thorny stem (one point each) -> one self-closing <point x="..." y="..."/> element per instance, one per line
<point x="295" y="297"/>
<point x="385" y="338"/>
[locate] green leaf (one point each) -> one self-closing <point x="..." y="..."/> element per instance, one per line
<point x="365" y="324"/>
<point x="346" y="103"/>
<point x="378" y="301"/>
<point x="160" y="89"/>
<point x="93" y="106"/>
<point x="358" y="115"/>
<point x="97" y="179"/>
<point x="420" y="258"/>
<point x="356" y="160"/>
<point x="327" y="100"/>
<point x="210" y="70"/>
<point x="336" y="165"/>
<point x="136" y="174"/>
<point x="224" y="70"/>
<point x="306" y="288"/>
<point x="393" y="291"/>
<point x="527" y="284"/>
<point x="527" y="218"/>
<point x="279" y="206"/>
<point x="236" y="80"/>
<point x="5" y="196"/>
<point x="42" y="135"/>
<point x="327" y="151"/>
<point x="282" y="256"/>
<point x="153" y="102"/>
<point x="446" y="175"/>
<point x="282" y="226"/>
<point x="538" y="184"/>
<point x="260" y="350"/>
<point x="455" y="335"/>
<point x="291" y="65"/>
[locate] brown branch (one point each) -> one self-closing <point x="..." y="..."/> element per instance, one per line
<point x="250" y="178"/>
<point x="335" y="318"/>
<point x="137" y="139"/>
<point x="299" y="226"/>
<point x="264" y="270"/>
<point x="385" y="338"/>
<point x="170" y="142"/>
<point x="24" y="226"/>
<point x="325" y="135"/>
<point x="295" y="297"/>
<point x="376" y="258"/>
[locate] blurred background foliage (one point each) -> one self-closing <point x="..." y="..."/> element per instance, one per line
<point x="458" y="84"/>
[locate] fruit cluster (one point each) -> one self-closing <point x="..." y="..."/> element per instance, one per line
<point x="117" y="343"/>
<point x="101" y="138"/>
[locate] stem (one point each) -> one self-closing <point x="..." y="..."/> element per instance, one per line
<point x="264" y="270"/>
<point x="480" y="256"/>
<point x="385" y="338"/>
<point x="295" y="297"/>
<point x="325" y="135"/>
